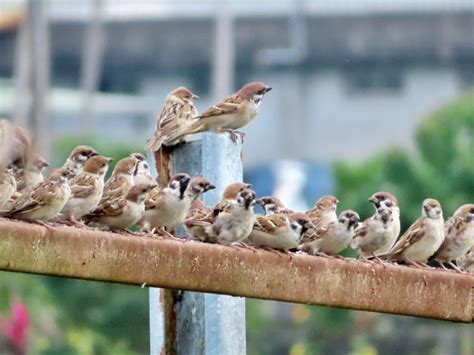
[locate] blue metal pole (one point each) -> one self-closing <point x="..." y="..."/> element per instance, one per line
<point x="205" y="323"/>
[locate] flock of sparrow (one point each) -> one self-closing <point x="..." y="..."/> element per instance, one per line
<point x="77" y="194"/>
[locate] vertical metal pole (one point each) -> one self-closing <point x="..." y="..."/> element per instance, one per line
<point x="203" y="323"/>
<point x="224" y="315"/>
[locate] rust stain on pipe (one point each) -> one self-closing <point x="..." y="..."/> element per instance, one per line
<point x="195" y="266"/>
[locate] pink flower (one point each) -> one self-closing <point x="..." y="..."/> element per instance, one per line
<point x="15" y="328"/>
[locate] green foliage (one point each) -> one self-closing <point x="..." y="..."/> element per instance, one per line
<point x="116" y="150"/>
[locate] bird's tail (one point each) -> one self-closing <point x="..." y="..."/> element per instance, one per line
<point x="154" y="143"/>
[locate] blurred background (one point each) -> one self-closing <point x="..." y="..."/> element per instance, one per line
<point x="367" y="95"/>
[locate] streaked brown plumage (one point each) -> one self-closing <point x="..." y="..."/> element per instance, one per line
<point x="175" y="120"/>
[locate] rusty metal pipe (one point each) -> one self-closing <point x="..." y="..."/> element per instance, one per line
<point x="187" y="265"/>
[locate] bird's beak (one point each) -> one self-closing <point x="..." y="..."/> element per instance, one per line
<point x="93" y="154"/>
<point x="210" y="187"/>
<point x="267" y="89"/>
<point x="109" y="159"/>
<point x="260" y="202"/>
<point x="248" y="186"/>
<point x="194" y="97"/>
<point x="45" y="164"/>
<point x="373" y="199"/>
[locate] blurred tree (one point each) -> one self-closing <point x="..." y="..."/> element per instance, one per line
<point x="443" y="167"/>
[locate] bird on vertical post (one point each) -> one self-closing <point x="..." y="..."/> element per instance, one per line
<point x="176" y="118"/>
<point x="233" y="112"/>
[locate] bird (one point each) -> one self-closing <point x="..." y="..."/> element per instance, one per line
<point x="46" y="200"/>
<point x="77" y="158"/>
<point x="422" y="239"/>
<point x="142" y="172"/>
<point x="334" y="237"/>
<point x="8" y="186"/>
<point x="272" y="205"/>
<point x="121" y="180"/>
<point x="279" y="230"/>
<point x="204" y="215"/>
<point x="323" y="213"/>
<point x="176" y="118"/>
<point x="123" y="212"/>
<point x="466" y="262"/>
<point x="234" y="223"/>
<point x="233" y="112"/>
<point x="32" y="174"/>
<point x="459" y="237"/>
<point x="383" y="198"/>
<point x="168" y="207"/>
<point x="374" y="233"/>
<point x="86" y="189"/>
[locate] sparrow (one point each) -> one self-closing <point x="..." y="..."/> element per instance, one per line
<point x="46" y="200"/>
<point x="386" y="199"/>
<point x="374" y="233"/>
<point x="323" y="213"/>
<point x="204" y="215"/>
<point x="8" y="186"/>
<point x="123" y="212"/>
<point x="459" y="237"/>
<point x="32" y="174"/>
<point x="176" y="118"/>
<point x="142" y="172"/>
<point x="86" y="189"/>
<point x="334" y="237"/>
<point x="121" y="180"/>
<point x="423" y="238"/>
<point x="168" y="207"/>
<point x="232" y="224"/>
<point x="233" y="112"/>
<point x="77" y="158"/>
<point x="272" y="205"/>
<point x="466" y="262"/>
<point x="279" y="230"/>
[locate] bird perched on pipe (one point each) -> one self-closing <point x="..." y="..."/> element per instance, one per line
<point x="200" y="213"/>
<point x="233" y="112"/>
<point x="46" y="200"/>
<point x="272" y="205"/>
<point x="86" y="189"/>
<point x="334" y="237"/>
<point x="231" y="224"/>
<point x="459" y="237"/>
<point x="374" y="233"/>
<point x="32" y="174"/>
<point x="279" y="230"/>
<point x="386" y="199"/>
<point x="422" y="239"/>
<point x="466" y="262"/>
<point x="77" y="158"/>
<point x="176" y="119"/>
<point x="323" y="213"/>
<point x="167" y="207"/>
<point x="142" y="172"/>
<point x="123" y="212"/>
